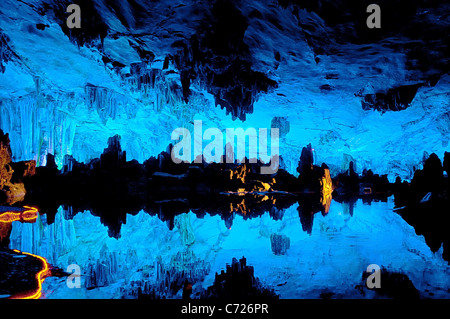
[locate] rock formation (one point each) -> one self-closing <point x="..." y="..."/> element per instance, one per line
<point x="279" y="243"/>
<point x="424" y="203"/>
<point x="395" y="285"/>
<point x="12" y="190"/>
<point x="238" y="282"/>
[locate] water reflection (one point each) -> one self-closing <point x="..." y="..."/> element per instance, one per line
<point x="225" y="205"/>
<point x="295" y="245"/>
<point x="23" y="273"/>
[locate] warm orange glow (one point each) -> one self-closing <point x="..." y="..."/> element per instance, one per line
<point x="40" y="277"/>
<point x="327" y="190"/>
<point x="265" y="187"/>
<point x="5" y="230"/>
<point x="239" y="207"/>
<point x="326" y="203"/>
<point x="240" y="173"/>
<point x="29" y="215"/>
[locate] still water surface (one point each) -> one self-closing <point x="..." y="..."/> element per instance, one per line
<point x="329" y="257"/>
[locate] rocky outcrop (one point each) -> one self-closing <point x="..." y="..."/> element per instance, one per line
<point x="219" y="58"/>
<point x="396" y="99"/>
<point x="426" y="53"/>
<point x="6" y="170"/>
<point x="12" y="190"/>
<point x="113" y="157"/>
<point x="94" y="28"/>
<point x="447" y="163"/>
<point x="23" y="170"/>
<point x="424" y="203"/>
<point x="314" y="180"/>
<point x="367" y="185"/>
<point x="238" y="282"/>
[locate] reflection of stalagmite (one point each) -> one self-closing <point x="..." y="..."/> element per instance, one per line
<point x="280" y="243"/>
<point x="183" y="223"/>
<point x="326" y="190"/>
<point x="326" y="203"/>
<point x="240" y="207"/>
<point x="238" y="281"/>
<point x="171" y="278"/>
<point x="306" y="216"/>
<point x="102" y="272"/>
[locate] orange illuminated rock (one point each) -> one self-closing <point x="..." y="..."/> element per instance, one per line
<point x="326" y="184"/>
<point x="5" y="231"/>
<point x="5" y="158"/>
<point x="15" y="193"/>
<point x="10" y="192"/>
<point x="22" y="170"/>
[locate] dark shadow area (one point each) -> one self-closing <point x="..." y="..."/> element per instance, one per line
<point x="424" y="203"/>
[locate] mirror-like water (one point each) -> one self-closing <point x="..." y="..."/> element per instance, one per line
<point x="148" y="256"/>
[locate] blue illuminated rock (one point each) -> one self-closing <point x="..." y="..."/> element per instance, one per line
<point x="78" y="87"/>
<point x="279" y="243"/>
